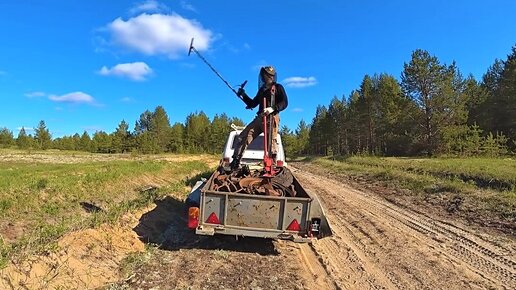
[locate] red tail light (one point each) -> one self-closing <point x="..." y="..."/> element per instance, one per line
<point x="294" y="226"/>
<point x="193" y="217"/>
<point x="213" y="219"/>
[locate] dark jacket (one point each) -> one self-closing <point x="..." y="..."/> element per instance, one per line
<point x="280" y="99"/>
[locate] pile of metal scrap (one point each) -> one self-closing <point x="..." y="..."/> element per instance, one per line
<point x="253" y="182"/>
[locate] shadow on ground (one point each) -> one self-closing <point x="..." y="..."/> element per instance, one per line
<point x="166" y="226"/>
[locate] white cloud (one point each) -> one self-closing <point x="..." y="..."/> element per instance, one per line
<point x="297" y="110"/>
<point x="188" y="6"/>
<point x="149" y="6"/>
<point x="75" y="97"/>
<point x="127" y="100"/>
<point x="300" y="82"/>
<point x="159" y="34"/>
<point x="35" y="94"/>
<point x="26" y="128"/>
<point x="136" y="71"/>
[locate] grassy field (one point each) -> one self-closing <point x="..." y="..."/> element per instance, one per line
<point x="484" y="186"/>
<point x="44" y="195"/>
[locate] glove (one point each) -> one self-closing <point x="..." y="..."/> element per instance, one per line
<point x="248" y="101"/>
<point x="268" y="110"/>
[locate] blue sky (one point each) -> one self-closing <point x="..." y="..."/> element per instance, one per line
<point x="86" y="65"/>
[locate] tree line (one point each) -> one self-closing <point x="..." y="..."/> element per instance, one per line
<point x="432" y="110"/>
<point x="152" y="134"/>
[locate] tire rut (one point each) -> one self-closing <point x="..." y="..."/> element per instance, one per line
<point x="382" y="235"/>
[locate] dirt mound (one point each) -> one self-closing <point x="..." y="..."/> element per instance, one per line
<point x="85" y="259"/>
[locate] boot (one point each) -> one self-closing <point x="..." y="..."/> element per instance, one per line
<point x="235" y="163"/>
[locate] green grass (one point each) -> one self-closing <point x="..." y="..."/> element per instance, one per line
<point x="484" y="185"/>
<point x="136" y="260"/>
<point x="42" y="200"/>
<point x="485" y="172"/>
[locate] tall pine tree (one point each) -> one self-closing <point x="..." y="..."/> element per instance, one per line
<point x="42" y="136"/>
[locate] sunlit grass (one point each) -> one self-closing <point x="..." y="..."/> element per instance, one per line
<point x="485" y="185"/>
<point x="42" y="200"/>
<point x="487" y="172"/>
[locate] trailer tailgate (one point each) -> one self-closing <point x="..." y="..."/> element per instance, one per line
<point x="255" y="214"/>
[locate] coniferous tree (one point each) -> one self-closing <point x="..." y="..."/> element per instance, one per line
<point x="159" y="126"/>
<point x="23" y="141"/>
<point x="102" y="142"/>
<point x="76" y="139"/>
<point x="144" y="123"/>
<point x="121" y="138"/>
<point x="476" y="96"/>
<point x="85" y="142"/>
<point x="303" y="136"/>
<point x="394" y="125"/>
<point x="357" y="130"/>
<point x="42" y="136"/>
<point x="196" y="128"/>
<point x="219" y="131"/>
<point x="505" y="100"/>
<point x="438" y="92"/>
<point x="176" y="138"/>
<point x="319" y="132"/>
<point x="288" y="140"/>
<point x="237" y="121"/>
<point x="368" y="112"/>
<point x="146" y="143"/>
<point x="337" y="125"/>
<point x="6" y="138"/>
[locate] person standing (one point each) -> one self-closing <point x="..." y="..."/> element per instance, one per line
<point x="275" y="101"/>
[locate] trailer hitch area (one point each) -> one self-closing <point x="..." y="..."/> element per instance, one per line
<point x="294" y="238"/>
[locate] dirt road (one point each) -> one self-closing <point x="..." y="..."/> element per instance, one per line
<point x="377" y="244"/>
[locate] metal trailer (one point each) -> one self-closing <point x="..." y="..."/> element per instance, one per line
<point x="300" y="218"/>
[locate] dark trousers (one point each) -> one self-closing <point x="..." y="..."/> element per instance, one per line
<point x="253" y="130"/>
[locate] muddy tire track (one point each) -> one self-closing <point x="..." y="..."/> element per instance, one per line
<point x="379" y="245"/>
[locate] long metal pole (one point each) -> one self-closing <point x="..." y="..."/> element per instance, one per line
<point x="192" y="48"/>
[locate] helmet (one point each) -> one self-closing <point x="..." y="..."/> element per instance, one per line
<point x="267" y="76"/>
<point x="268" y="70"/>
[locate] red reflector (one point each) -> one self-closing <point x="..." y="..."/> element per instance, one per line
<point x="294" y="226"/>
<point x="193" y="217"/>
<point x="213" y="219"/>
<point x="279" y="163"/>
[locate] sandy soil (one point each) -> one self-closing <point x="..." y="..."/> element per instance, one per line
<point x="377" y="244"/>
<point x="85" y="259"/>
